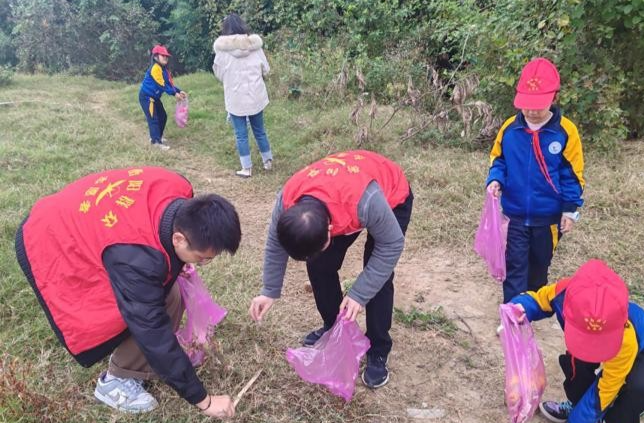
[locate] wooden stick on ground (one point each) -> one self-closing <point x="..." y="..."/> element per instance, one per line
<point x="246" y="387"/>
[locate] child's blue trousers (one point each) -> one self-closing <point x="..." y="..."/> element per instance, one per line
<point x="155" y="115"/>
<point x="527" y="257"/>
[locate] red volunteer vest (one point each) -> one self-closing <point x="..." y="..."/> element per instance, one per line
<point x="67" y="232"/>
<point x="339" y="181"/>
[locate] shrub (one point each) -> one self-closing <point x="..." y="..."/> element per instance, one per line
<point x="6" y="75"/>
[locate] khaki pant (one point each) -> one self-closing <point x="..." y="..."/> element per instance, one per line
<point x="128" y="361"/>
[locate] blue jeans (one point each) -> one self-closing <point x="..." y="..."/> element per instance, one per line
<point x="241" y="135"/>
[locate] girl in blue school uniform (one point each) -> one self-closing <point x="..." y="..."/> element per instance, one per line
<point x="158" y="80"/>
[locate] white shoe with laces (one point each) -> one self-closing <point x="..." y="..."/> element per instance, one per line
<point x="268" y="164"/>
<point x="124" y="394"/>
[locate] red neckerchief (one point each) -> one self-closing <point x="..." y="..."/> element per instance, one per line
<point x="536" y="147"/>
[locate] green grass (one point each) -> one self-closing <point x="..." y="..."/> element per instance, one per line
<point x="64" y="127"/>
<point x="426" y="320"/>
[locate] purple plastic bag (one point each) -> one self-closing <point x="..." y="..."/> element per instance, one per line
<point x="181" y="113"/>
<point x="525" y="374"/>
<point x="202" y="314"/>
<point x="334" y="360"/>
<point x="491" y="237"/>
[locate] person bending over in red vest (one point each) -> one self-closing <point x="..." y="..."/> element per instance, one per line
<point x="318" y="214"/>
<point x="102" y="256"/>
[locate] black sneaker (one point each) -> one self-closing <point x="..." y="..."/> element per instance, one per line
<point x="376" y="374"/>
<point x="557" y="412"/>
<point x="312" y="338"/>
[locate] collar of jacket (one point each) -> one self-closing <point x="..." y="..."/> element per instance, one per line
<point x="238" y="44"/>
<point x="552" y="125"/>
<point x="166" y="228"/>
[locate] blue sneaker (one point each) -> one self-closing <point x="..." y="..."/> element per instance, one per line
<point x="557" y="412"/>
<point x="376" y="373"/>
<point x="124" y="394"/>
<point x="313" y="337"/>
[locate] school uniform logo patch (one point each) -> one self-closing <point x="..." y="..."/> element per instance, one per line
<point x="554" y="147"/>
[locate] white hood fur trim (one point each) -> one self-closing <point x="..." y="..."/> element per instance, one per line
<point x="243" y="42"/>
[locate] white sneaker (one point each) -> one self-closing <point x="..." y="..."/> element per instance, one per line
<point x="124" y="394"/>
<point x="499" y="329"/>
<point x="268" y="164"/>
<point x="244" y="173"/>
<point x="161" y="146"/>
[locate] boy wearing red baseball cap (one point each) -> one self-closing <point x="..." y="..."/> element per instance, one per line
<point x="602" y="331"/>
<point x="537" y="163"/>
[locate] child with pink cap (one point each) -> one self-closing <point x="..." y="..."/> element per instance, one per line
<point x="537" y="164"/>
<point x="603" y="331"/>
<point x="158" y="80"/>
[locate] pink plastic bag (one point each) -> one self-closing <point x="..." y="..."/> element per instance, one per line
<point x="181" y="113"/>
<point x="334" y="360"/>
<point x="202" y="314"/>
<point x="525" y="374"/>
<point x="491" y="237"/>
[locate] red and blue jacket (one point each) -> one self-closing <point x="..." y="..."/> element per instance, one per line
<point x="602" y="393"/>
<point x="540" y="172"/>
<point x="158" y="80"/>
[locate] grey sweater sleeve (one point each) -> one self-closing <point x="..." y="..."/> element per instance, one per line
<point x="378" y="218"/>
<point x="275" y="257"/>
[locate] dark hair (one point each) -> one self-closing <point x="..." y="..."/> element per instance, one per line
<point x="209" y="222"/>
<point x="303" y="229"/>
<point x="234" y="24"/>
<point x="153" y="59"/>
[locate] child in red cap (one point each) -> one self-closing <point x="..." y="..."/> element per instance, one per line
<point x="158" y="80"/>
<point x="602" y="331"/>
<point x="537" y="163"/>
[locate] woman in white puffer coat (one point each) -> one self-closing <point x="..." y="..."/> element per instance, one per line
<point x="241" y="65"/>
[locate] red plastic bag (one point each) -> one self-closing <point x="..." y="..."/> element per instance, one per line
<point x="334" y="360"/>
<point x="181" y="113"/>
<point x="525" y="374"/>
<point x="491" y="237"/>
<point x="202" y="314"/>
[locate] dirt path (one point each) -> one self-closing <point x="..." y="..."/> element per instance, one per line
<point x="460" y="379"/>
<point x="457" y="379"/>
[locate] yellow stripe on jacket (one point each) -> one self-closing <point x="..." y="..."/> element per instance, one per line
<point x="544" y="296"/>
<point x="615" y="370"/>
<point x="157" y="74"/>
<point x="496" y="148"/>
<point x="573" y="152"/>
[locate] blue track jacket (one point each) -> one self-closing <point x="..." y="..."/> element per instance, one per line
<point x="593" y="405"/>
<point x="157" y="80"/>
<point x="540" y="172"/>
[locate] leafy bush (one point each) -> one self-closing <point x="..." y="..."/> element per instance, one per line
<point x="7" y="53"/>
<point x="113" y="38"/>
<point x="387" y="48"/>
<point x="42" y="34"/>
<point x="189" y="35"/>
<point x="109" y="39"/>
<point x="587" y="40"/>
<point x="6" y="75"/>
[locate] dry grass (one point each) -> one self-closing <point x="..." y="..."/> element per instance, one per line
<point x="89" y="125"/>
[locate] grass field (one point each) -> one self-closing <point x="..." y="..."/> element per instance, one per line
<point x="61" y="128"/>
